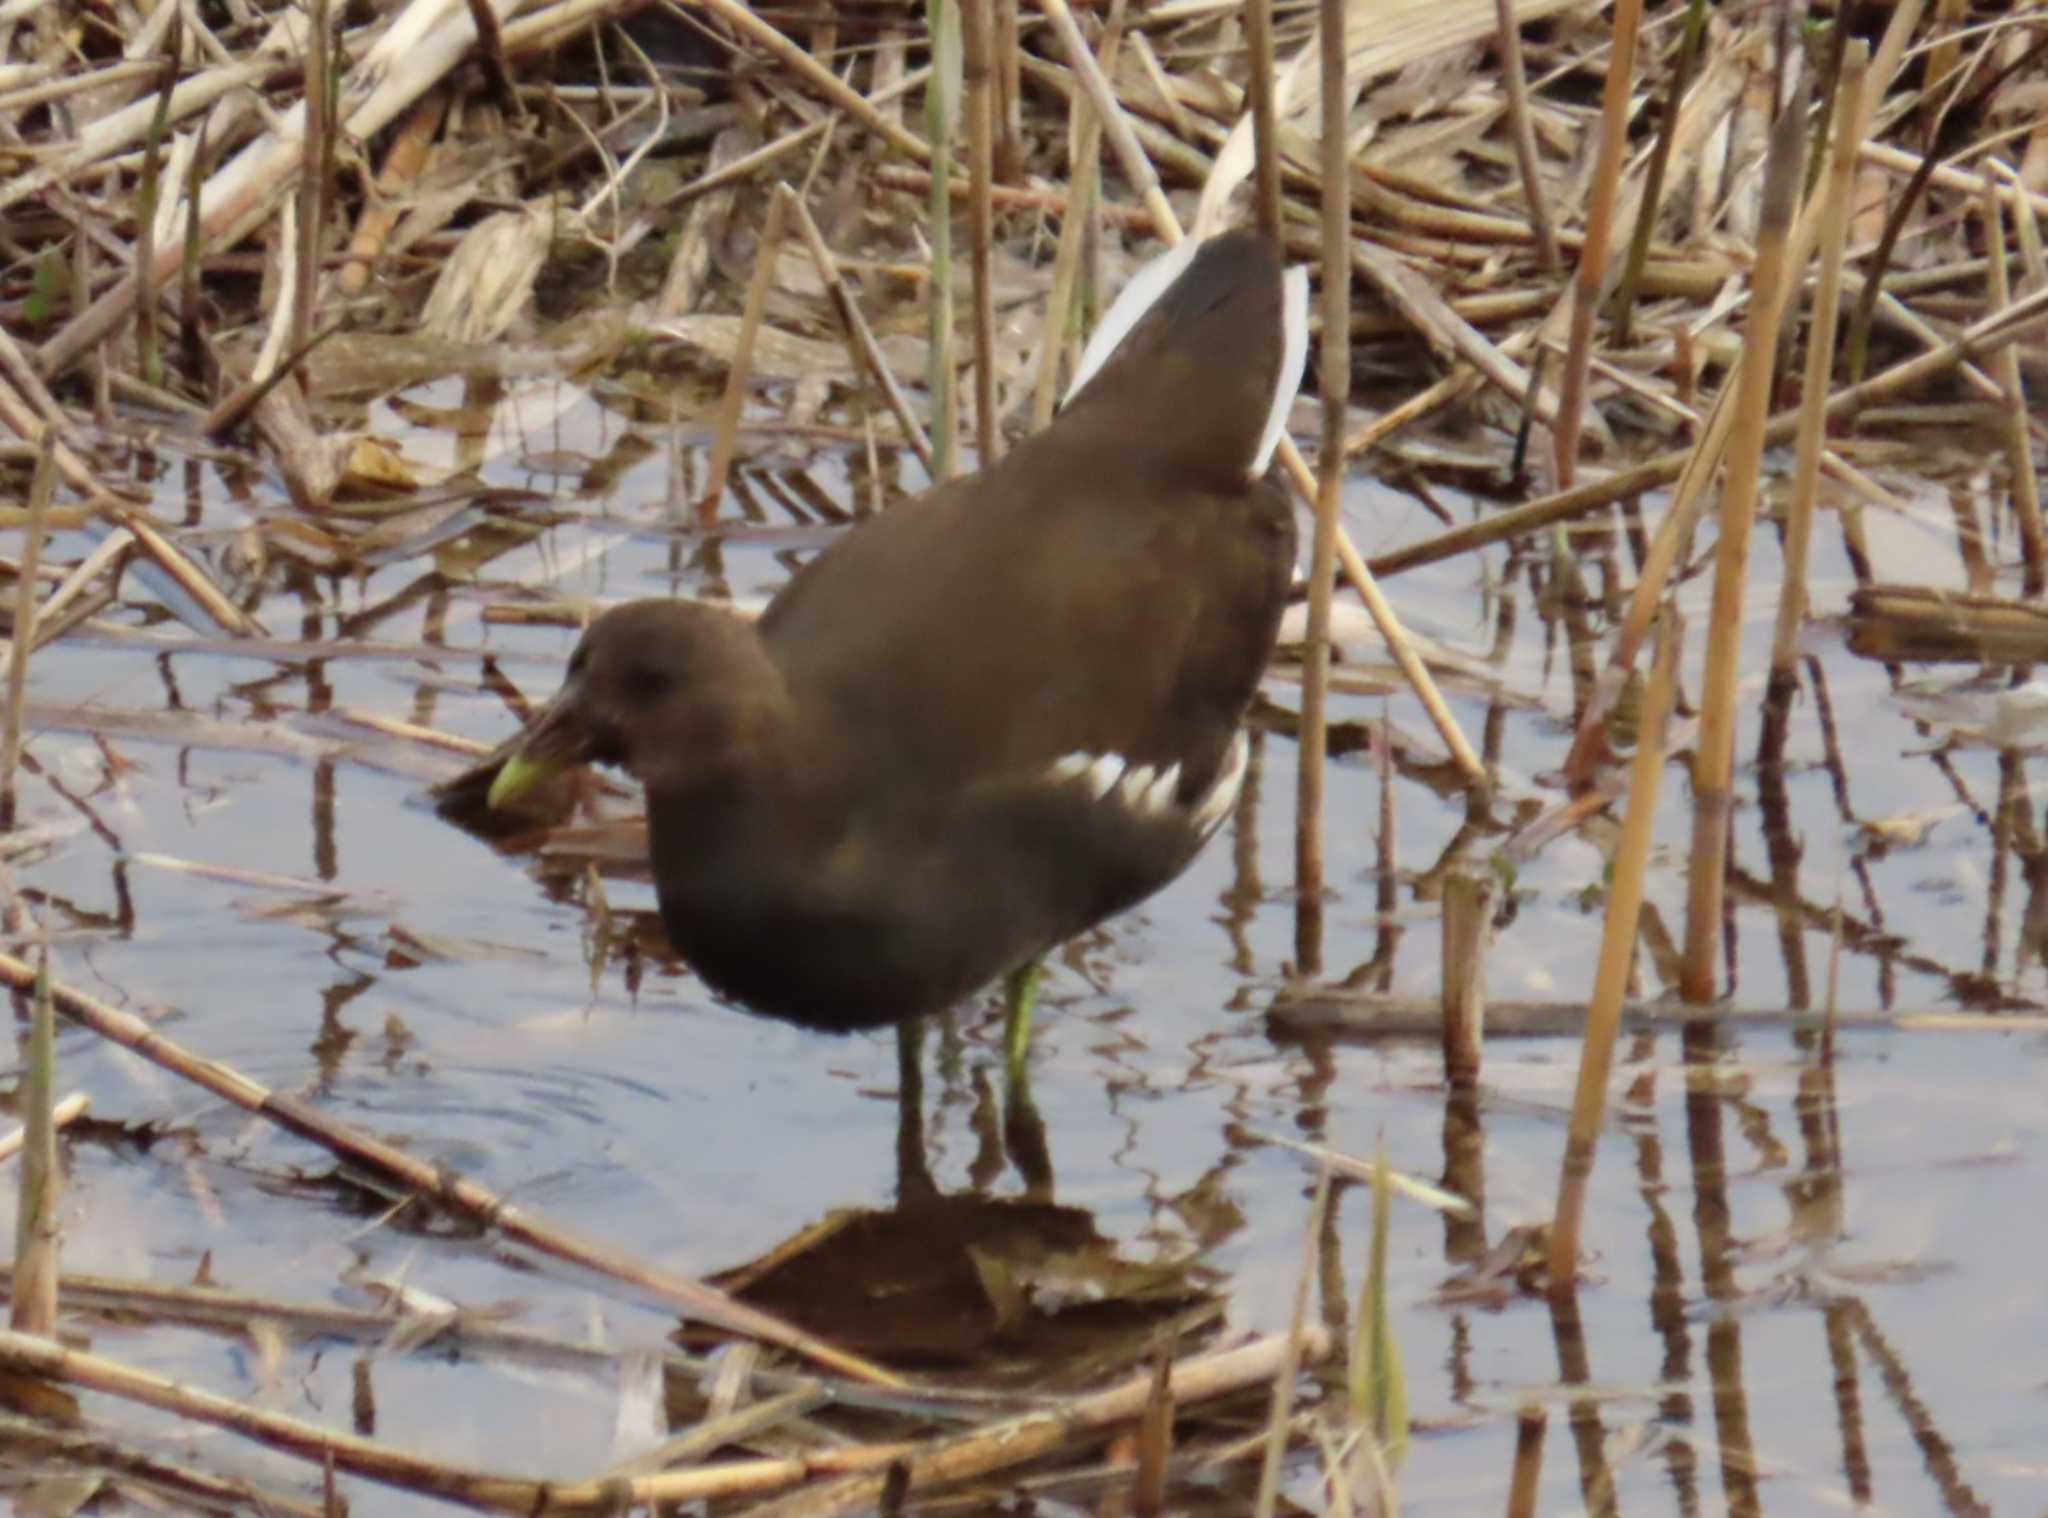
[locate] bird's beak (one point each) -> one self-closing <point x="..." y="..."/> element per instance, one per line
<point x="557" y="738"/>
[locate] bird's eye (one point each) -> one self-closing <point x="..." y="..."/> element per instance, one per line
<point x="648" y="682"/>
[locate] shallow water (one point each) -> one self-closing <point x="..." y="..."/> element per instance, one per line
<point x="1779" y="1317"/>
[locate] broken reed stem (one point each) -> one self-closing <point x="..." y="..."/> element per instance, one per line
<point x="1084" y="133"/>
<point x="860" y="337"/>
<point x="1015" y="1441"/>
<point x="1378" y="1384"/>
<point x="1820" y="359"/>
<point x="1714" y="763"/>
<point x="1258" y="40"/>
<point x="1280" y="1420"/>
<point x="981" y="223"/>
<point x="469" y="1198"/>
<point x="41" y="487"/>
<point x="1009" y="60"/>
<point x="34" y="1288"/>
<point x="1335" y="384"/>
<point x="1653" y="180"/>
<point x="62" y="1114"/>
<point x="1115" y="124"/>
<point x="1578" y="355"/>
<point x="737" y="374"/>
<point x="1617" y="953"/>
<point x="1524" y="133"/>
<point x="1468" y="912"/>
<point x="314" y="146"/>
<point x="2019" y="447"/>
<point x="941" y="108"/>
<point x="149" y="362"/>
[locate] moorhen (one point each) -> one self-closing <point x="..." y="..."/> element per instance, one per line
<point x="984" y="720"/>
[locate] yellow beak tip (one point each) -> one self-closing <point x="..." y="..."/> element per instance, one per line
<point x="516" y="776"/>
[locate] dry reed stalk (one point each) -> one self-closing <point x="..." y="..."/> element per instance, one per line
<point x="465" y="1196"/>
<point x="1030" y="1436"/>
<point x="1468" y="915"/>
<point x="404" y="162"/>
<point x="1083" y="204"/>
<point x="41" y="487"/>
<point x="1714" y="762"/>
<point x="1697" y="465"/>
<point x="2032" y="257"/>
<point x="66" y="1111"/>
<point x="1820" y="358"/>
<point x="746" y="165"/>
<point x="316" y="156"/>
<point x="1155" y="1441"/>
<point x="1628" y="16"/>
<point x="1981" y="338"/>
<point x="25" y="1354"/>
<point x="750" y="25"/>
<point x="2019" y="448"/>
<point x="981" y="227"/>
<point x="1617" y="953"/>
<point x="1335" y="384"/>
<point x="1527" y="1477"/>
<point x="1418" y="303"/>
<point x="1010" y="160"/>
<point x="860" y="337"/>
<point x="1652" y="198"/>
<point x="1115" y="123"/>
<point x="1279" y="1420"/>
<point x="1063" y="202"/>
<point x="739" y="373"/>
<point x="1524" y="134"/>
<point x="33" y="1308"/>
<point x="148" y="360"/>
<point x="1259" y="81"/>
<point x="941" y="107"/>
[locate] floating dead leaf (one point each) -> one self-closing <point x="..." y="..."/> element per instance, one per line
<point x="374" y="465"/>
<point x="1908" y="830"/>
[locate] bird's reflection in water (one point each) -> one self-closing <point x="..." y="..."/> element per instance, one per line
<point x="1013" y="1285"/>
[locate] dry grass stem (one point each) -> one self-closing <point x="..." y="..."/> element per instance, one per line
<point x="414" y="1175"/>
<point x="1617" y="953"/>
<point x="981" y="111"/>
<point x="861" y="337"/>
<point x="1628" y="17"/>
<point x="33" y="1291"/>
<point x="70" y="1108"/>
<point x="2019" y="445"/>
<point x="740" y="374"/>
<point x="23" y="641"/>
<point x="1713" y="766"/>
<point x="1524" y="134"/>
<point x="1280" y="1419"/>
<point x="1335" y="377"/>
<point x="1467" y="923"/>
<point x="1820" y="356"/>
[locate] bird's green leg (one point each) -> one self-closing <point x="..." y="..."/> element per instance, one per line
<point x="1020" y="996"/>
<point x="1023" y="1129"/>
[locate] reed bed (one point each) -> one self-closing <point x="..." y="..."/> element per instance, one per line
<point x="239" y="228"/>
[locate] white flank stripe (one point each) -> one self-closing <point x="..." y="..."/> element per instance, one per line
<point x="1135" y="299"/>
<point x="1222" y="796"/>
<point x="1293" y="361"/>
